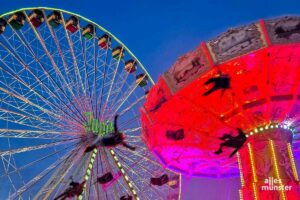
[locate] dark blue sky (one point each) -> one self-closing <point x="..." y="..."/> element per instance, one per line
<point x="158" y="31"/>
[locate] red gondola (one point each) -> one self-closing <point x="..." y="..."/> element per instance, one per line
<point x="104" y="41"/>
<point x="36" y="17"/>
<point x="72" y="24"/>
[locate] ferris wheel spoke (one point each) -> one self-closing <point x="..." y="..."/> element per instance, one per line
<point x="33" y="148"/>
<point x="102" y="169"/>
<point x="33" y="74"/>
<point x="91" y="60"/>
<point x="64" y="62"/>
<point x="114" y="65"/>
<point x="27" y="119"/>
<point x="31" y="134"/>
<point x="141" y="179"/>
<point x="31" y="89"/>
<point x="84" y="53"/>
<point x="94" y="92"/>
<point x="30" y="50"/>
<point x="140" y="155"/>
<point x="19" y="169"/>
<point x="27" y="101"/>
<point x="49" y="187"/>
<point x="129" y="107"/>
<point x="130" y="130"/>
<point x="109" y="166"/>
<point x="74" y="58"/>
<point x="41" y="41"/>
<point x="113" y="160"/>
<point x="132" y="121"/>
<point x="118" y="86"/>
<point x="100" y="96"/>
<point x="36" y="179"/>
<point x="122" y="100"/>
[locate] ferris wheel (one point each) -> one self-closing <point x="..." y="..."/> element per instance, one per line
<point x="70" y="94"/>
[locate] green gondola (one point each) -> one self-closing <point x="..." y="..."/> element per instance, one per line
<point x="54" y="19"/>
<point x="88" y="31"/>
<point x="17" y="20"/>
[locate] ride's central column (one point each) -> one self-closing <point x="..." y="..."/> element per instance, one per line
<point x="267" y="166"/>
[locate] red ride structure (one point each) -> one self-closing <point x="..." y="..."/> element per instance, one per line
<point x="239" y="92"/>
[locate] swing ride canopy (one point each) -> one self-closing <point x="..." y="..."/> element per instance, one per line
<point x="263" y="62"/>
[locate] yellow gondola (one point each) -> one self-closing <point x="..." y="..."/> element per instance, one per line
<point x="141" y="80"/>
<point x="118" y="52"/>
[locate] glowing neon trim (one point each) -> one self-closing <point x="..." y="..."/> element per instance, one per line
<point x="241" y="170"/>
<point x="276" y="167"/>
<point x="88" y="173"/>
<point x="292" y="160"/>
<point x="125" y="176"/>
<point x="252" y="163"/>
<point x="267" y="127"/>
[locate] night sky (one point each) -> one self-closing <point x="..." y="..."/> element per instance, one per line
<point x="159" y="31"/>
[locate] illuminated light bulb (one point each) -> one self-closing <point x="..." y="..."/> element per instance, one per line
<point x="266" y="127"/>
<point x="247" y="135"/>
<point x="285" y="126"/>
<point x="261" y="128"/>
<point x="126" y="177"/>
<point x="271" y="126"/>
<point x="251" y="133"/>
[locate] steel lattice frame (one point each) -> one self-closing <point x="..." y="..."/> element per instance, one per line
<point x="49" y="79"/>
